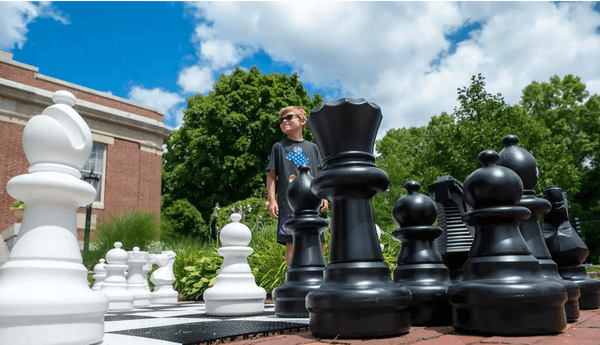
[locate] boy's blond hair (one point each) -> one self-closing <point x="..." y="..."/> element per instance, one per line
<point x="293" y="109"/>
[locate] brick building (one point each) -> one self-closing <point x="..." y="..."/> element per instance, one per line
<point x="128" y="141"/>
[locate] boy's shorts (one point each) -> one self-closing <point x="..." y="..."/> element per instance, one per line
<point x="283" y="237"/>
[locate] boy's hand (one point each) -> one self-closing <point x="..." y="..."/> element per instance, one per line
<point x="325" y="205"/>
<point x="274" y="210"/>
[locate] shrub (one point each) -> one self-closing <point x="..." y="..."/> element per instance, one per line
<point x="268" y="259"/>
<point x="136" y="228"/>
<point x="183" y="219"/>
<point x="254" y="211"/>
<point x="201" y="275"/>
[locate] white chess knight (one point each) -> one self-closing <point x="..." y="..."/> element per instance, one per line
<point x="163" y="278"/>
<point x="114" y="286"/>
<point x="235" y="291"/>
<point x="45" y="296"/>
<point x="136" y="279"/>
<point x="99" y="274"/>
<point x="3" y="251"/>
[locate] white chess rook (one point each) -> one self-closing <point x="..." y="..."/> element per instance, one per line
<point x="163" y="278"/>
<point x="136" y="282"/>
<point x="235" y="291"/>
<point x="99" y="274"/>
<point x="114" y="285"/>
<point x="45" y="296"/>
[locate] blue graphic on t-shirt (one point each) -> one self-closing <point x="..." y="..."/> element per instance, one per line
<point x="297" y="156"/>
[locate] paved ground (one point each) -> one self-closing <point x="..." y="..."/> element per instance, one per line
<point x="584" y="332"/>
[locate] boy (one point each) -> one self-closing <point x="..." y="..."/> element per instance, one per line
<point x="284" y="158"/>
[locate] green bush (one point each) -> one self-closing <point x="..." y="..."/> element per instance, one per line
<point x="268" y="259"/>
<point x="137" y="228"/>
<point x="183" y="219"/>
<point x="254" y="211"/>
<point x="201" y="275"/>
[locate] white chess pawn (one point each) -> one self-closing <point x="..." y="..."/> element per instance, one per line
<point x="114" y="285"/>
<point x="45" y="297"/>
<point x="136" y="284"/>
<point x="235" y="291"/>
<point x="99" y="274"/>
<point x="163" y="278"/>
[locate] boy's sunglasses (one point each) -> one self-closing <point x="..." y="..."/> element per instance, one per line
<point x="287" y="118"/>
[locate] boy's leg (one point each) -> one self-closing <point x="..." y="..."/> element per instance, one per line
<point x="285" y="239"/>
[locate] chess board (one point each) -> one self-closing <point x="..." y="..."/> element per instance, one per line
<point x="188" y="324"/>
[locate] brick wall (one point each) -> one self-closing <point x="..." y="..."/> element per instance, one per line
<point x="12" y="163"/>
<point x="133" y="177"/>
<point x="27" y="77"/>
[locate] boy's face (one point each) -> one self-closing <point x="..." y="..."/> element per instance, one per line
<point x="291" y="123"/>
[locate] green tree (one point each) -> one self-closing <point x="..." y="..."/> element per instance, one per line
<point x="450" y="143"/>
<point x="220" y="152"/>
<point x="572" y="115"/>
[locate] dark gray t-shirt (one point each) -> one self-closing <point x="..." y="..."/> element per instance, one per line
<point x="284" y="158"/>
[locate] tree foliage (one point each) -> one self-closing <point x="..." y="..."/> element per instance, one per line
<point x="558" y="122"/>
<point x="220" y="152"/>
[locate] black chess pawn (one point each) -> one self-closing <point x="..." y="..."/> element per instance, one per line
<point x="502" y="291"/>
<point x="357" y="298"/>
<point x="420" y="266"/>
<point x="567" y="249"/>
<point x="455" y="242"/>
<point x="305" y="273"/>
<point x="524" y="164"/>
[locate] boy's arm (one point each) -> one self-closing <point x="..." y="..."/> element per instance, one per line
<point x="273" y="207"/>
<point x="324" y="202"/>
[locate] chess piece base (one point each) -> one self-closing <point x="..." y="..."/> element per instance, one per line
<point x="529" y="307"/>
<point x="235" y="294"/>
<point x="30" y="317"/>
<point x="236" y="307"/>
<point x="346" y="309"/>
<point x="549" y="270"/>
<point x="164" y="294"/>
<point x="290" y="298"/>
<point x="589" y="287"/>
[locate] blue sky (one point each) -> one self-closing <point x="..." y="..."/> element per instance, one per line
<point x="408" y="57"/>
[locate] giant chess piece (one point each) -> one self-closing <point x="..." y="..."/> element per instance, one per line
<point x="136" y="279"/>
<point x="567" y="248"/>
<point x="525" y="165"/>
<point x="163" y="278"/>
<point x="502" y="291"/>
<point x="99" y="274"/>
<point x="420" y="266"/>
<point x="456" y="240"/>
<point x="4" y="252"/>
<point x="358" y="298"/>
<point x="235" y="291"/>
<point x="45" y="296"/>
<point x="305" y="273"/>
<point x="114" y="286"/>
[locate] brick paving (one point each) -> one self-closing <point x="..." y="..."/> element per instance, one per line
<point x="586" y="331"/>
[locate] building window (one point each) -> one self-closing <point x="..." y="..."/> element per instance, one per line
<point x="96" y="163"/>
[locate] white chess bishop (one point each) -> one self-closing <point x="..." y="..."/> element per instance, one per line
<point x="235" y="291"/>
<point x="163" y="278"/>
<point x="45" y="296"/>
<point x="114" y="285"/>
<point x="136" y="279"/>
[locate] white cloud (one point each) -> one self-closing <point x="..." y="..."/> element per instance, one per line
<point x="15" y="16"/>
<point x="196" y="79"/>
<point x="381" y="51"/>
<point x="168" y="102"/>
<point x="219" y="53"/>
